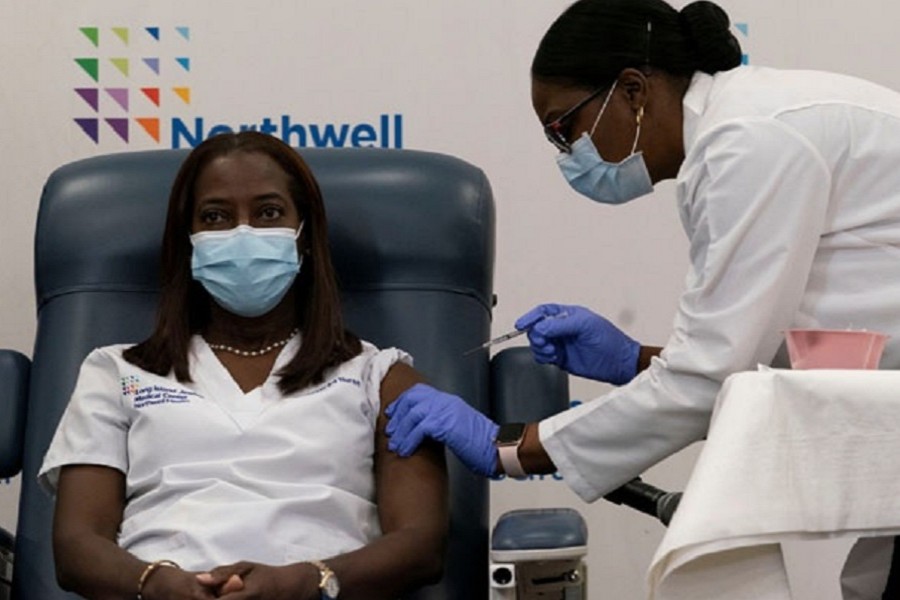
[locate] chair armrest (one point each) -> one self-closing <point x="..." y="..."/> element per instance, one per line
<point x="525" y="391"/>
<point x="14" y="371"/>
<point x="539" y="534"/>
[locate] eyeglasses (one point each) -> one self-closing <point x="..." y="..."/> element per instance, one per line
<point x="555" y="129"/>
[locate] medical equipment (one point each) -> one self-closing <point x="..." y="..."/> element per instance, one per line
<point x="512" y="334"/>
<point x="497" y="340"/>
<point x="539" y="554"/>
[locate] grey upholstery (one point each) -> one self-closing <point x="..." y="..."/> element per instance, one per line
<point x="413" y="241"/>
<point x="523" y="391"/>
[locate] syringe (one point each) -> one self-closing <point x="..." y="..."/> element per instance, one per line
<point x="512" y="334"/>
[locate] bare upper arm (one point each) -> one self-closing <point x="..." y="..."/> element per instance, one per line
<point x="412" y="492"/>
<point x="89" y="499"/>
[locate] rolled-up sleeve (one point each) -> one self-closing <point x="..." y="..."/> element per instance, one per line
<point x="377" y="366"/>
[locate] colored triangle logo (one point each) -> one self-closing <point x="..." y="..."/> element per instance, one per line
<point x="743" y="28"/>
<point x="151" y="126"/>
<point x="120" y="95"/>
<point x="121" y="33"/>
<point x="153" y="63"/>
<point x="91" y="33"/>
<point x="91" y="66"/>
<point x="184" y="93"/>
<point x="184" y="32"/>
<point x="120" y="126"/>
<point x="90" y="127"/>
<point x="152" y="94"/>
<point x="153" y="31"/>
<point x="121" y="64"/>
<point x="185" y="62"/>
<point x="91" y="96"/>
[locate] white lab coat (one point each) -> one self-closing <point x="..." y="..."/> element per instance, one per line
<point x="214" y="475"/>
<point x="790" y="195"/>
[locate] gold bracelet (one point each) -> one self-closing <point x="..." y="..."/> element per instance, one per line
<point x="148" y="571"/>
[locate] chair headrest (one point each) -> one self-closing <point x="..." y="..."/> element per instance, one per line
<point x="391" y="203"/>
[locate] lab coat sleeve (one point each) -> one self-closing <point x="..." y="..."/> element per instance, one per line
<point x="754" y="197"/>
<point x="94" y="427"/>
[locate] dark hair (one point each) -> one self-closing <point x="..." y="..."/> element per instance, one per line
<point x="594" y="40"/>
<point x="184" y="303"/>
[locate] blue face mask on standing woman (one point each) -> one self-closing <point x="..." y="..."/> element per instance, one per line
<point x="247" y="270"/>
<point x="602" y="181"/>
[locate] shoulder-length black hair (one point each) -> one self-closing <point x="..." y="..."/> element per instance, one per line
<point x="184" y="303"/>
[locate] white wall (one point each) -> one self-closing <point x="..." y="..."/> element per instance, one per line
<point x="457" y="73"/>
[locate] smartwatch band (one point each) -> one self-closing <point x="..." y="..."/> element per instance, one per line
<point x="509" y="439"/>
<point x="509" y="458"/>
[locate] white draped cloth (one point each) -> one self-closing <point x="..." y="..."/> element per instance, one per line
<point x="790" y="455"/>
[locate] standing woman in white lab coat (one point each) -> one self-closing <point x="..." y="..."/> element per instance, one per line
<point x="788" y="188"/>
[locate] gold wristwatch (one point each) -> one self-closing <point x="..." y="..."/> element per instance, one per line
<point x="329" y="587"/>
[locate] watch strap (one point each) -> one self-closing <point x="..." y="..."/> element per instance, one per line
<point x="508" y="452"/>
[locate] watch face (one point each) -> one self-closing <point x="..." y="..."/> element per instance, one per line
<point x="332" y="588"/>
<point x="510" y="433"/>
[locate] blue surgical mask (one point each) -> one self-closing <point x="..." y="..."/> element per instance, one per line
<point x="602" y="181"/>
<point x="247" y="270"/>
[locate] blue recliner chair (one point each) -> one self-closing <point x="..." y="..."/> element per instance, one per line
<point x="413" y="241"/>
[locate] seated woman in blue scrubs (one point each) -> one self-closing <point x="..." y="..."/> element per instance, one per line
<point x="239" y="451"/>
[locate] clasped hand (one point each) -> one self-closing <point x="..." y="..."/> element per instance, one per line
<point x="239" y="581"/>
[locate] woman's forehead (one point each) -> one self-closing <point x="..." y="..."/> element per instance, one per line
<point x="241" y="169"/>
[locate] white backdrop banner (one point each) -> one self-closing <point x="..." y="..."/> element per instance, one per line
<point x="86" y="77"/>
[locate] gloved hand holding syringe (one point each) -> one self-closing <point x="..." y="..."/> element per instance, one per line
<point x="578" y="341"/>
<point x="512" y="334"/>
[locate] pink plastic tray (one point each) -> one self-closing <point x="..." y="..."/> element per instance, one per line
<point x="834" y="348"/>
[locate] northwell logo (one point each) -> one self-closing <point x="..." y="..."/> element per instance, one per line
<point x="131" y="86"/>
<point x="135" y="78"/>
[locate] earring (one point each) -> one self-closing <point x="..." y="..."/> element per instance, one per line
<point x="640" y="115"/>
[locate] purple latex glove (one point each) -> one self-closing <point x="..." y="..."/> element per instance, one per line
<point x="422" y="411"/>
<point x="580" y="342"/>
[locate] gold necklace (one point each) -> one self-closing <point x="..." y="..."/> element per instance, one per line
<point x="260" y="352"/>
